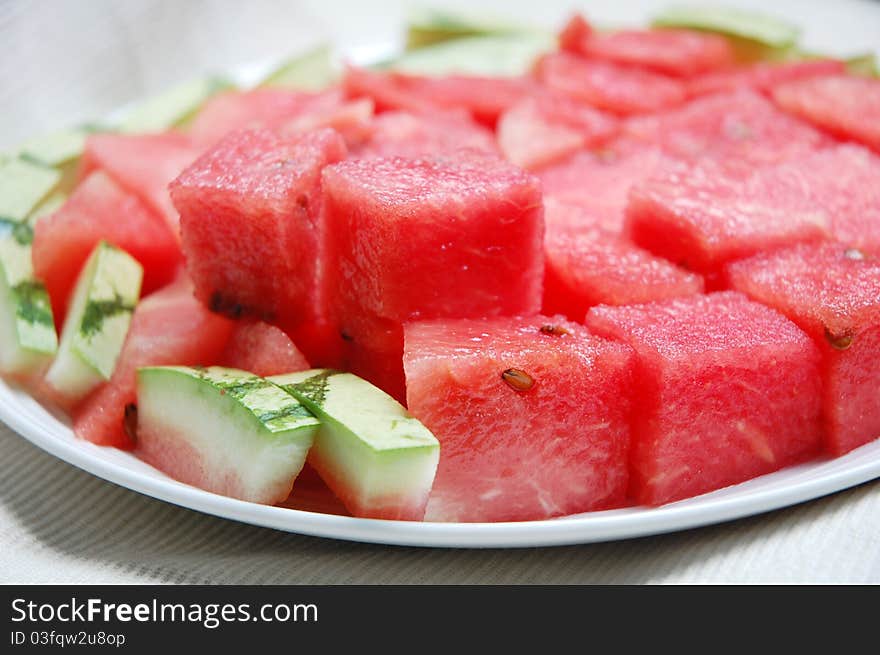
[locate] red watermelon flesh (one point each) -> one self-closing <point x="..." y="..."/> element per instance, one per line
<point x="599" y="183"/>
<point x="588" y="265"/>
<point x="169" y="327"/>
<point x="682" y="53"/>
<point x="531" y="415"/>
<point x="143" y="164"/>
<point x="740" y="126"/>
<point x="251" y="224"/>
<point x="404" y="134"/>
<point x="484" y="98"/>
<point x="725" y="390"/>
<point x="846" y="106"/>
<point x="832" y="292"/>
<point x="100" y="209"/>
<point x="763" y="76"/>
<point x="408" y="235"/>
<point x="548" y="127"/>
<point x="263" y="350"/>
<point x="280" y="109"/>
<point x="843" y="183"/>
<point x="576" y="30"/>
<point x="704" y="216"/>
<point x="608" y="86"/>
<point x="387" y="90"/>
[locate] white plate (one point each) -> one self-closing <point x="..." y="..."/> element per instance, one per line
<point x="850" y="28"/>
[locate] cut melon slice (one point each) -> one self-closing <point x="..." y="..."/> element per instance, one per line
<point x="223" y="430"/>
<point x="27" y="332"/>
<point x="374" y="455"/>
<point x="22" y="186"/>
<point x="100" y="313"/>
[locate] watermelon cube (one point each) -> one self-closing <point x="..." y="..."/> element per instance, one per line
<point x="762" y="77"/>
<point x="531" y="415"/>
<point x="99" y="209"/>
<point x="588" y="265"/>
<point x="846" y="106"/>
<point x="405" y="134"/>
<point x="832" y="292"/>
<point x="600" y="182"/>
<point x="283" y="110"/>
<point x="683" y="53"/>
<point x="251" y="224"/>
<point x="704" y="216"/>
<point x="734" y="126"/>
<point x="609" y="86"/>
<point x="726" y="390"/>
<point x="548" y="127"/>
<point x="142" y="164"/>
<point x="263" y="350"/>
<point x="841" y="183"/>
<point x="408" y="236"/>
<point x="168" y="327"/>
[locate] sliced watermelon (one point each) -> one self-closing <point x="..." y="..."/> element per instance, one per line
<point x="408" y="235"/>
<point x="222" y="430"/>
<point x="259" y="192"/>
<point x="763" y="76"/>
<point x="841" y="184"/>
<point x="609" y="86"/>
<point x="168" y="327"/>
<point x="548" y="127"/>
<point x="588" y="265"/>
<point x="262" y="349"/>
<point x="832" y="292"/>
<point x="374" y="454"/>
<point x="740" y="126"/>
<point x="280" y="109"/>
<point x="484" y="98"/>
<point x="726" y="390"/>
<point x="683" y="53"/>
<point x="704" y="216"/>
<point x="142" y="164"/>
<point x="600" y="182"/>
<point x="404" y="134"/>
<point x="531" y="415"/>
<point x="100" y="209"/>
<point x="576" y="30"/>
<point x="847" y="106"/>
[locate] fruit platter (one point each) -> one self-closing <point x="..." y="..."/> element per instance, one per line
<point x="508" y="286"/>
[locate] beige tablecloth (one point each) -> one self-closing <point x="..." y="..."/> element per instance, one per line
<point x="69" y="61"/>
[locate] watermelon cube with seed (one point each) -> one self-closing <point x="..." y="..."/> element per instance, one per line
<point x="446" y="236"/>
<point x="832" y="292"/>
<point x="726" y="389"/>
<point x="531" y="415"/>
<point x="251" y="224"/>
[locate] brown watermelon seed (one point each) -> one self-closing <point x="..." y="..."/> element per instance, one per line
<point x="839" y="341"/>
<point x="346" y="336"/>
<point x="517" y="380"/>
<point x="129" y="421"/>
<point x="854" y="254"/>
<point x="554" y="330"/>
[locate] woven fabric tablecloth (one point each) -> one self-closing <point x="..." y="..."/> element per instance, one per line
<point x="69" y="61"/>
